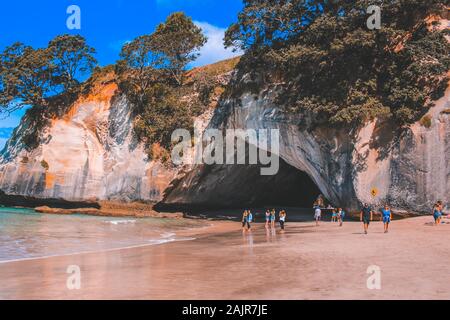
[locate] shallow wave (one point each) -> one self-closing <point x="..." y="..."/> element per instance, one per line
<point x="117" y="222"/>
<point x="150" y="243"/>
<point x="34" y="236"/>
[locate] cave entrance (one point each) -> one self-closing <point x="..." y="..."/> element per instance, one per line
<point x="218" y="187"/>
<point x="290" y="187"/>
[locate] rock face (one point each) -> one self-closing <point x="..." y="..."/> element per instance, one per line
<point x="409" y="169"/>
<point x="91" y="154"/>
<point x="88" y="154"/>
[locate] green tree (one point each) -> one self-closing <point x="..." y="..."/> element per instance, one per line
<point x="151" y="72"/>
<point x="30" y="77"/>
<point x="72" y="58"/>
<point x="45" y="79"/>
<point x="141" y="65"/>
<point x="25" y="77"/>
<point x="164" y="113"/>
<point x="337" y="70"/>
<point x="270" y="23"/>
<point x="179" y="39"/>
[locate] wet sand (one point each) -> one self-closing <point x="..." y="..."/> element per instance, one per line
<point x="306" y="262"/>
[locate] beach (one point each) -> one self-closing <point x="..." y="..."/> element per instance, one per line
<point x="222" y="262"/>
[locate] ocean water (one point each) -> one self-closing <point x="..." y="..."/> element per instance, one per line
<point x="26" y="234"/>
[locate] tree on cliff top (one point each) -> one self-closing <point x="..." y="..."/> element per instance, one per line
<point x="30" y="77"/>
<point x="45" y="79"/>
<point x="338" y="70"/>
<point x="173" y="45"/>
<point x="179" y="39"/>
<point x="25" y="77"/>
<point x="151" y="73"/>
<point x="72" y="58"/>
<point x="160" y="57"/>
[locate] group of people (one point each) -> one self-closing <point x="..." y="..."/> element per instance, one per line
<point x="386" y="215"/>
<point x="337" y="215"/>
<point x="270" y="218"/>
<point x="366" y="216"/>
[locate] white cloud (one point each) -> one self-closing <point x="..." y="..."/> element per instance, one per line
<point x="214" y="49"/>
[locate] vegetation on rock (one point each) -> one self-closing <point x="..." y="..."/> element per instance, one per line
<point x="152" y="74"/>
<point x="334" y="68"/>
<point x="45" y="165"/>
<point x="46" y="79"/>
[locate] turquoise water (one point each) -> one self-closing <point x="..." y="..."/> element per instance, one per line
<point x="26" y="234"/>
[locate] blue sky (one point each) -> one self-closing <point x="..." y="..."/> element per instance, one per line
<point x="108" y="24"/>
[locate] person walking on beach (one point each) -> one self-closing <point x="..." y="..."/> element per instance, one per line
<point x="267" y="219"/>
<point x="282" y="219"/>
<point x="340" y="215"/>
<point x="333" y="215"/>
<point x="366" y="216"/>
<point x="246" y="219"/>
<point x="437" y="212"/>
<point x="272" y="218"/>
<point x="386" y="216"/>
<point x="317" y="214"/>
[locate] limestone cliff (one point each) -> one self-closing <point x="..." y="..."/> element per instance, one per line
<point x="91" y="151"/>
<point x="409" y="169"/>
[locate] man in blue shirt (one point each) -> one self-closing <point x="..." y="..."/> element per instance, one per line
<point x="386" y="215"/>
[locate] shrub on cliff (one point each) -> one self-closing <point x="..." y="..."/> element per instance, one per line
<point x="336" y="69"/>
<point x="45" y="79"/>
<point x="164" y="113"/>
<point x="44" y="164"/>
<point x="151" y="74"/>
<point x="179" y="40"/>
<point x="161" y="56"/>
<point x="31" y="77"/>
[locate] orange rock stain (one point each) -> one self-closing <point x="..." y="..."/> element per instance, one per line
<point x="100" y="97"/>
<point x="49" y="180"/>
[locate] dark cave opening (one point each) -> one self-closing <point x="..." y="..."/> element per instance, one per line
<point x="213" y="187"/>
<point x="290" y="187"/>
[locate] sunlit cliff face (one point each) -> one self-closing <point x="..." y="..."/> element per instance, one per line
<point x="408" y="169"/>
<point x="89" y="153"/>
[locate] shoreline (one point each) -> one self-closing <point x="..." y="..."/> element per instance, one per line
<point x="122" y="212"/>
<point x="189" y="234"/>
<point x="306" y="262"/>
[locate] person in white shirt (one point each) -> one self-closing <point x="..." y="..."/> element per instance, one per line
<point x="317" y="215"/>
<point x="282" y="219"/>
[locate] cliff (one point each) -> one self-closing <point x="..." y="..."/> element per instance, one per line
<point x="87" y="154"/>
<point x="409" y="169"/>
<point x="90" y="152"/>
